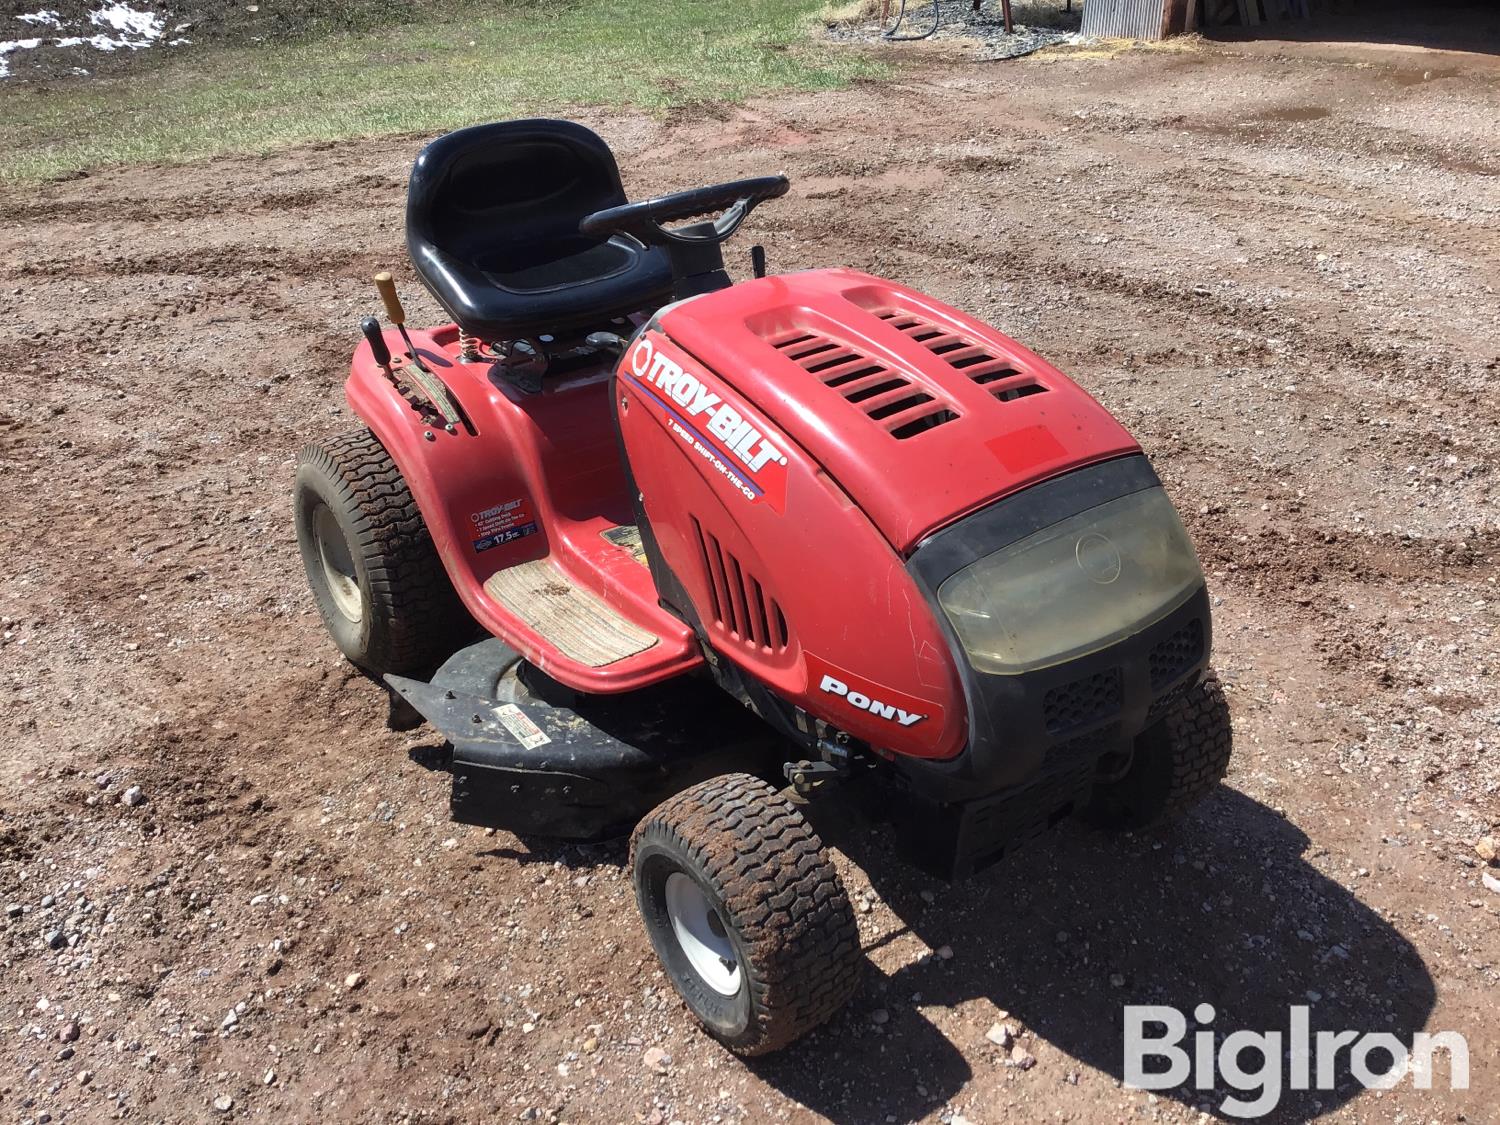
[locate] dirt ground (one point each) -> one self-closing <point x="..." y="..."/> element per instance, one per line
<point x="1278" y="266"/>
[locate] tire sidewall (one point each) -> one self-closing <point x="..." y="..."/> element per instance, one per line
<point x="729" y="1018"/>
<point x="313" y="491"/>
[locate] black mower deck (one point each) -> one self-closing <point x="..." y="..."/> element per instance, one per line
<point x="535" y="758"/>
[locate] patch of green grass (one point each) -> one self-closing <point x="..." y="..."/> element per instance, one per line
<point x="461" y="66"/>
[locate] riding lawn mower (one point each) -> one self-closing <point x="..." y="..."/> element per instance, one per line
<point x="664" y="555"/>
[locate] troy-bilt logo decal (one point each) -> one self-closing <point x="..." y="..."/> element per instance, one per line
<point x="717" y="430"/>
<point x="502" y="523"/>
<point x="859" y="699"/>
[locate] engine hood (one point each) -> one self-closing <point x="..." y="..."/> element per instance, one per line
<point x="920" y="413"/>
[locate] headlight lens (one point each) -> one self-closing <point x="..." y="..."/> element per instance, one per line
<point x="1075" y="587"/>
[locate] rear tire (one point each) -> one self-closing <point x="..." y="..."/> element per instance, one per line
<point x="746" y="912"/>
<point x="1177" y="762"/>
<point x="376" y="578"/>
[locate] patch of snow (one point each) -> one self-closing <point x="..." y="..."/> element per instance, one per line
<point x="9" y="45"/>
<point x="133" y="29"/>
<point x="129" y="21"/>
<point x="98" y="42"/>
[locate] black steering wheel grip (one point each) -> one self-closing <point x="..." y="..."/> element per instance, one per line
<point x="736" y="199"/>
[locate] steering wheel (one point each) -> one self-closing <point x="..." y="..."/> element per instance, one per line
<point x="643" y="220"/>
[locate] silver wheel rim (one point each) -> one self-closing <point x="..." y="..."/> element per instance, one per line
<point x="339" y="573"/>
<point x="701" y="935"/>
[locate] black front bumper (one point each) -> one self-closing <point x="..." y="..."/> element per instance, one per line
<point x="1028" y="728"/>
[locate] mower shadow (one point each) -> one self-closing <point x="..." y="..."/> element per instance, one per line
<point x="1220" y="907"/>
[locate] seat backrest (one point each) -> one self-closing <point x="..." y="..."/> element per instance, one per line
<point x="505" y="196"/>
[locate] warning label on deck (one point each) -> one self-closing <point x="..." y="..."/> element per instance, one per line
<point x="527" y="733"/>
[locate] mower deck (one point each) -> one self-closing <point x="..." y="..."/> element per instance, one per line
<point x="533" y="757"/>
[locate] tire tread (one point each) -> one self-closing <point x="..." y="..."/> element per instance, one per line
<point x="416" y="613"/>
<point x="782" y="894"/>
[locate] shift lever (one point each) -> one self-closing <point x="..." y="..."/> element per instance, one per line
<point x="393" y="309"/>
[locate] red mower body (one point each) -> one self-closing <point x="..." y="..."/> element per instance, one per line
<point x="791" y="440"/>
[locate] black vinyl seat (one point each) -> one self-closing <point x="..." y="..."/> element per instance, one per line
<point x="492" y="217"/>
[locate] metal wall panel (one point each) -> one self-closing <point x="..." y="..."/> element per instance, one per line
<point x="1124" y="19"/>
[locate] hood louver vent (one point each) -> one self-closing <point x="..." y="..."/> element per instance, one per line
<point x="740" y="604"/>
<point x="994" y="374"/>
<point x="902" y="409"/>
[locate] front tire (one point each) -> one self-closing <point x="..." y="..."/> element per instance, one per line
<point x="746" y="912"/>
<point x="375" y="575"/>
<point x="1176" y="763"/>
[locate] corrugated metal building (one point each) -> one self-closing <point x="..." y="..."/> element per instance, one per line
<point x="1156" y="19"/>
<point x="1127" y="19"/>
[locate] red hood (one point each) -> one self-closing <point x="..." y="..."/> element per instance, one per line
<point x="920" y="413"/>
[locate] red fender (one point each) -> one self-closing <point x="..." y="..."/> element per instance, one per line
<point x="540" y="475"/>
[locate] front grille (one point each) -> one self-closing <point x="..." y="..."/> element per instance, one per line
<point x="1084" y="701"/>
<point x="1172" y="657"/>
<point x="885" y="396"/>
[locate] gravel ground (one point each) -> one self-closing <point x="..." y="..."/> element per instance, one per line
<point x="227" y="891"/>
<point x="980" y="34"/>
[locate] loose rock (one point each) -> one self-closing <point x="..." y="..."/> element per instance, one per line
<point x="656" y="1060"/>
<point x="133" y="797"/>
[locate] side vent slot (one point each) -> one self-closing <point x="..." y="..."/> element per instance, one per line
<point x="737" y="599"/>
<point x="885" y="396"/>
<point x="989" y="371"/>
